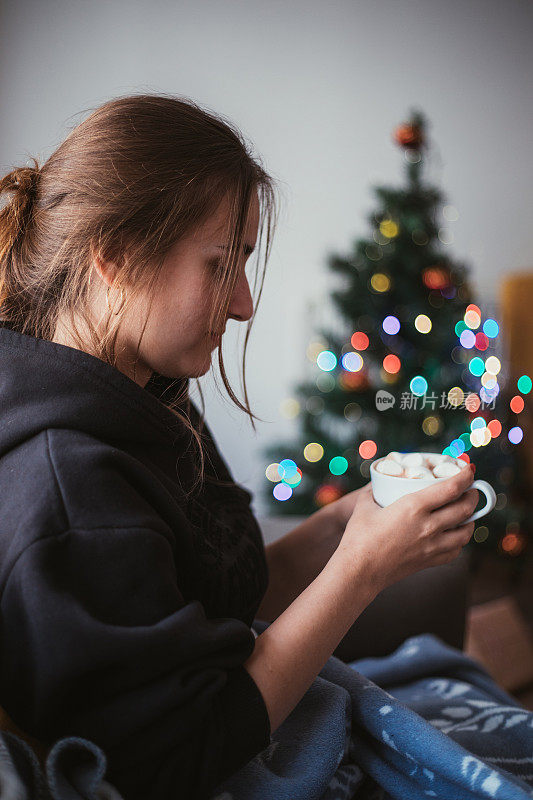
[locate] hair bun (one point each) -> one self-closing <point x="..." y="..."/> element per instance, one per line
<point x="16" y="214"/>
<point x="23" y="181"/>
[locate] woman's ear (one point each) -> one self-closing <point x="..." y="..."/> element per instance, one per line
<point x="107" y="270"/>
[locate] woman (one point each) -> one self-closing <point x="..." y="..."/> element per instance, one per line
<point x="132" y="566"/>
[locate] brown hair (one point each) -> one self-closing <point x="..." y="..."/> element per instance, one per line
<point x="138" y="174"/>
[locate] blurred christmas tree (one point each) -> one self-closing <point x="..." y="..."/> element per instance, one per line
<point x="416" y="370"/>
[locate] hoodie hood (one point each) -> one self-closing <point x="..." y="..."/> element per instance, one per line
<point x="44" y="384"/>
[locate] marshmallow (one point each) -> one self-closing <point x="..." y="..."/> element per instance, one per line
<point x="419" y="466"/>
<point x="413" y="460"/>
<point x="395" y="457"/>
<point x="438" y="458"/>
<point x="418" y="472"/>
<point x="389" y="467"/>
<point x="446" y="470"/>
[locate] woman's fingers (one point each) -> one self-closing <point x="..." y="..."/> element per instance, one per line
<point x="453" y="539"/>
<point x="452" y="514"/>
<point x="445" y="491"/>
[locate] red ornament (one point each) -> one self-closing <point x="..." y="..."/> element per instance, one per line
<point x="436" y="277"/>
<point x="407" y="135"/>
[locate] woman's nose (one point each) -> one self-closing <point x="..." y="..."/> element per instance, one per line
<point x="242" y="305"/>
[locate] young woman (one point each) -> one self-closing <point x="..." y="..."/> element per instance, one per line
<point x="131" y="565"/>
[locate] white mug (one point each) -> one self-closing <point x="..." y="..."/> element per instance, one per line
<point x="388" y="488"/>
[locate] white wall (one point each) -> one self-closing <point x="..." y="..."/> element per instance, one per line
<point x="317" y="87"/>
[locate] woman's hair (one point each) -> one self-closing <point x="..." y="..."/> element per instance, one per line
<point x="136" y="176"/>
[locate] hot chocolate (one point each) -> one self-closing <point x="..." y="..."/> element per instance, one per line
<point x="419" y="465"/>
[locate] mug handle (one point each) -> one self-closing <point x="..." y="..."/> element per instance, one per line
<point x="489" y="493"/>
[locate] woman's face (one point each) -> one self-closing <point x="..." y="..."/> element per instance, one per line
<point x="177" y="341"/>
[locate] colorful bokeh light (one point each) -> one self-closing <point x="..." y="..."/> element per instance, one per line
<point x="431" y="425"/>
<point x="287" y="469"/>
<point x="477" y="423"/>
<point x="338" y="465"/>
<point x="489" y="381"/>
<point x="282" y="492"/>
<point x="491" y="328"/>
<point x="423" y="323"/>
<point x="472" y="319"/>
<point x="524" y="384"/>
<point x="389" y="228"/>
<point x="326" y="360"/>
<point x="391" y="324"/>
<point x="313" y="452"/>
<point x="480" y="436"/>
<point x="493" y="365"/>
<point x="482" y="341"/>
<point x="327" y="494"/>
<point x="495" y="428"/>
<point x="457" y="447"/>
<point x="368" y="449"/>
<point x="392" y="364"/>
<point x="481" y="534"/>
<point x="455" y="396"/>
<point x="517" y="404"/>
<point x="477" y="366"/>
<point x="418" y="385"/>
<point x="352" y="362"/>
<point x="380" y="282"/>
<point x="472" y="402"/>
<point x="435" y="278"/>
<point x="512" y="544"/>
<point x="466" y="439"/>
<point x="272" y="472"/>
<point x="488" y="395"/>
<point x="467" y="338"/>
<point x="515" y="435"/>
<point x="359" y="340"/>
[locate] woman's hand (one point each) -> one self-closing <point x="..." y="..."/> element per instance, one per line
<point x="342" y="509"/>
<point x="420" y="530"/>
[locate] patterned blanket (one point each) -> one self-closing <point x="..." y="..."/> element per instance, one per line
<point x="423" y="722"/>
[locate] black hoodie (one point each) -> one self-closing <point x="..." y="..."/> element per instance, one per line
<point x="126" y="607"/>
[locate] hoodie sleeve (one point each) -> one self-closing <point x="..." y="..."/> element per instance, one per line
<point x="98" y="642"/>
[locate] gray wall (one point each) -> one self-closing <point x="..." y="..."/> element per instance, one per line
<point x="317" y="88"/>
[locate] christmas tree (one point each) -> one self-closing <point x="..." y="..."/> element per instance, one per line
<point x="416" y="370"/>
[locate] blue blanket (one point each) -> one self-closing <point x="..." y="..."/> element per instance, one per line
<point x="74" y="770"/>
<point x="423" y="722"/>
